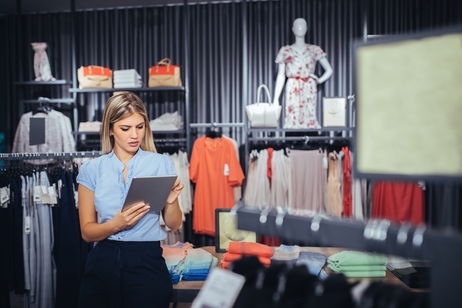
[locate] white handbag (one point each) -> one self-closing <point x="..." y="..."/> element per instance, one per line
<point x="263" y="114"/>
<point x="334" y="111"/>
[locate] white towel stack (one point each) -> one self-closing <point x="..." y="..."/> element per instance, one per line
<point x="127" y="79"/>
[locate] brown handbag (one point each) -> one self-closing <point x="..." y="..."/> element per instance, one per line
<point x="164" y="74"/>
<point x="94" y="77"/>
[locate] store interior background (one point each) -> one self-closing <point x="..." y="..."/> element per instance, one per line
<point x="225" y="48"/>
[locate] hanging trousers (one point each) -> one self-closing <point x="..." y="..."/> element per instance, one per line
<point x="125" y="274"/>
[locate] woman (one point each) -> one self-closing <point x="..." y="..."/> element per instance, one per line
<point x="125" y="268"/>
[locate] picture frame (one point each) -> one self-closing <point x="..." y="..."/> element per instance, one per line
<point x="334" y="110"/>
<point x="226" y="232"/>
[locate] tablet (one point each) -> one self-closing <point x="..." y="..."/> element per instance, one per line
<point x="152" y="190"/>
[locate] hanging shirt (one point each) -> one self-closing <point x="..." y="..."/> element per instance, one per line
<point x="347" y="198"/>
<point x="399" y="202"/>
<point x="215" y="170"/>
<point x="104" y="176"/>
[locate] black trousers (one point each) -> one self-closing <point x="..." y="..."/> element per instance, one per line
<point x="125" y="274"/>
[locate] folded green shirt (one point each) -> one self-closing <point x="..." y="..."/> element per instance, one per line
<point x="365" y="274"/>
<point x="347" y="258"/>
<point x="357" y="268"/>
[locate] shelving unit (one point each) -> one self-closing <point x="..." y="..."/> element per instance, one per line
<point x="102" y="90"/>
<point x="42" y="83"/>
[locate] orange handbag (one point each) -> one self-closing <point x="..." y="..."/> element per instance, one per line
<point x="94" y="77"/>
<point x="164" y="74"/>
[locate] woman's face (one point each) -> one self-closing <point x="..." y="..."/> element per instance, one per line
<point x="128" y="133"/>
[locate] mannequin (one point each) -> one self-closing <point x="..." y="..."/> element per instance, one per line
<point x="297" y="62"/>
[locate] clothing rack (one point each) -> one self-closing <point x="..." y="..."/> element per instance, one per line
<point x="298" y="138"/>
<point x="443" y="249"/>
<point x="167" y="140"/>
<point x="23" y="156"/>
<point x="217" y="124"/>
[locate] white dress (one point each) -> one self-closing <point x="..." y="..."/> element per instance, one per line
<point x="301" y="88"/>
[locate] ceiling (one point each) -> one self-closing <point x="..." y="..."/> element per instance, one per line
<point x="31" y="6"/>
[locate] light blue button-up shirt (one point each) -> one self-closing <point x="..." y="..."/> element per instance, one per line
<point x="104" y="176"/>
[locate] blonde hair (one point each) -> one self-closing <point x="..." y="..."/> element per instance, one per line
<point x="118" y="107"/>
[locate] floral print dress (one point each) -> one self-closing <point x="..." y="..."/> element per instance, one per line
<point x="301" y="88"/>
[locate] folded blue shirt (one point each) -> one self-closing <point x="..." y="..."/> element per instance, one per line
<point x="313" y="260"/>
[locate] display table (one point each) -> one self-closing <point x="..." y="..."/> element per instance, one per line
<point x="186" y="291"/>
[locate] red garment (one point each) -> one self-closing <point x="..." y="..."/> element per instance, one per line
<point x="215" y="170"/>
<point x="226" y="264"/>
<point x="398" y="201"/>
<point x="250" y="248"/>
<point x="269" y="240"/>
<point x="230" y="257"/>
<point x="270" y="160"/>
<point x="347" y="198"/>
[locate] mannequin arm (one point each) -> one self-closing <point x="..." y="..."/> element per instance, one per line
<point x="327" y="70"/>
<point x="280" y="80"/>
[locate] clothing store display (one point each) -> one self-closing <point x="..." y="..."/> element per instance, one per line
<point x="249" y="248"/>
<point x="301" y="88"/>
<point x="257" y="192"/>
<point x="167" y="121"/>
<point x="398" y="201"/>
<point x="94" y="77"/>
<point x="58" y="135"/>
<point x="237" y="190"/>
<point x="215" y="170"/>
<point x="357" y="264"/>
<point x="180" y="160"/>
<point x="164" y="74"/>
<point x="94" y="126"/>
<point x="127" y="79"/>
<point x="308" y="181"/>
<point x="334" y="195"/>
<point x="124" y="285"/>
<point x="42" y="68"/>
<point x="347" y="198"/>
<point x="314" y="261"/>
<point x="285" y="252"/>
<point x="263" y="113"/>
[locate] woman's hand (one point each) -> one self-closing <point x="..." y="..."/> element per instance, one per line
<point x="129" y="217"/>
<point x="175" y="192"/>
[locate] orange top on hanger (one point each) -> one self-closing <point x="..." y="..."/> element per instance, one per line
<point x="215" y="170"/>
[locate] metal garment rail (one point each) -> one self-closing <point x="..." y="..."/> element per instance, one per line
<point x="297" y="138"/>
<point x="23" y="156"/>
<point x="217" y="124"/>
<point x="443" y="249"/>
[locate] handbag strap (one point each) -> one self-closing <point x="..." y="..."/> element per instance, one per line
<point x="260" y="87"/>
<point x="164" y="61"/>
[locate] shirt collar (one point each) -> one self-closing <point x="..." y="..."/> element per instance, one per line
<point x="130" y="163"/>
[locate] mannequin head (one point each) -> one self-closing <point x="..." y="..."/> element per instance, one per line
<point x="300" y="27"/>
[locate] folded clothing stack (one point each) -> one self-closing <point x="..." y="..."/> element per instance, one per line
<point x="127" y="79"/>
<point x="198" y="264"/>
<point x="187" y="263"/>
<point x="237" y="250"/>
<point x="167" y="121"/>
<point x="357" y="264"/>
<point x="94" y="126"/>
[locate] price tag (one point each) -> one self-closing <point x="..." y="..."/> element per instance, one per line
<point x="27" y="224"/>
<point x="52" y="195"/>
<point x="37" y="194"/>
<point x="4" y="195"/>
<point x="220" y="290"/>
<point x="226" y="170"/>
